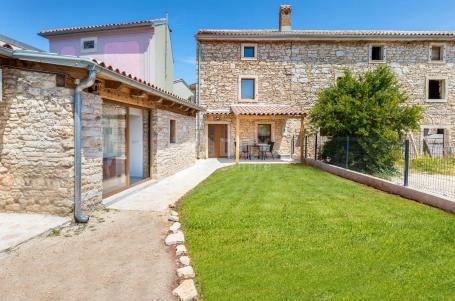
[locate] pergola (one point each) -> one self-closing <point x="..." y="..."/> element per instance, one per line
<point x="266" y="110"/>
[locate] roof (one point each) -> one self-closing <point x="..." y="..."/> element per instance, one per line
<point x="181" y="80"/>
<point x="317" y="35"/>
<point x="11" y="43"/>
<point x="101" y="27"/>
<point x="260" y="110"/>
<point x="100" y="67"/>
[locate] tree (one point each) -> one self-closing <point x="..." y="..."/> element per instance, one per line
<point x="371" y="109"/>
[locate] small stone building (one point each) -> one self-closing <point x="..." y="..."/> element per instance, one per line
<point x="131" y="131"/>
<point x="267" y="69"/>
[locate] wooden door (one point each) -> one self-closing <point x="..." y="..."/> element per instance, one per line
<point x="217" y="137"/>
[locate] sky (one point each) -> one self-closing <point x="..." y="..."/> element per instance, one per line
<point x="22" y="20"/>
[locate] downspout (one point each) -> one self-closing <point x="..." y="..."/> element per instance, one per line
<point x="79" y="217"/>
<point x="198" y="114"/>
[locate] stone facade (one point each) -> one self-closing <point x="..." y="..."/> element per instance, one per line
<point x="37" y="145"/>
<point x="169" y="158"/>
<point x="294" y="72"/>
<point x="285" y="133"/>
<point x="92" y="150"/>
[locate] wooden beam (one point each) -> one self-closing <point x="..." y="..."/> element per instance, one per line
<point x="138" y="93"/>
<point x="125" y="98"/>
<point x="302" y="136"/>
<point x="112" y="84"/>
<point x="237" y="140"/>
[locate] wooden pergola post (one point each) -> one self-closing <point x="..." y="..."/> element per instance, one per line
<point x="302" y="136"/>
<point x="237" y="139"/>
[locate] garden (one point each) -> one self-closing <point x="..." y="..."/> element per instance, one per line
<point x="291" y="232"/>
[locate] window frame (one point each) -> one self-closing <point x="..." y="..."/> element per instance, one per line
<point x="257" y="130"/>
<point x="427" y="89"/>
<point x="253" y="77"/>
<point x="242" y="57"/>
<point x="370" y="54"/>
<point x="90" y="50"/>
<point x="443" y="54"/>
<point x="445" y="127"/>
<point x="172" y="131"/>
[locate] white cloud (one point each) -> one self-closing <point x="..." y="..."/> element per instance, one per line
<point x="189" y="60"/>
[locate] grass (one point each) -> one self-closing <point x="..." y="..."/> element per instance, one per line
<point x="445" y="166"/>
<point x="289" y="232"/>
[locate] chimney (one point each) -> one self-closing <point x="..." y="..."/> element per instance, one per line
<point x="285" y="17"/>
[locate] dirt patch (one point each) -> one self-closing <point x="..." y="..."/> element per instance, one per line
<point x="118" y="255"/>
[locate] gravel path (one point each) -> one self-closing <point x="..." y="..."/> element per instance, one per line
<point x="119" y="255"/>
<point x="437" y="184"/>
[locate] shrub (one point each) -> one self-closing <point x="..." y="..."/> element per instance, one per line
<point x="370" y="108"/>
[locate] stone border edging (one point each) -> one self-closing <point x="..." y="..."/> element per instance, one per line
<point x="186" y="290"/>
<point x="387" y="186"/>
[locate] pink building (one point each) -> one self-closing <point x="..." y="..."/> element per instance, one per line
<point x="141" y="48"/>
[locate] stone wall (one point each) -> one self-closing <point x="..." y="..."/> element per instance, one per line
<point x="92" y="150"/>
<point x="37" y="145"/>
<point x="169" y="158"/>
<point x="285" y="132"/>
<point x="294" y="72"/>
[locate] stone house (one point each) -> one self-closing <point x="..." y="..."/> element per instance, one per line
<point x="74" y="130"/>
<point x="263" y="81"/>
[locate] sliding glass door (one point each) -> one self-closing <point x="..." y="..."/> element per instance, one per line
<point x="139" y="145"/>
<point x="126" y="147"/>
<point x="114" y="148"/>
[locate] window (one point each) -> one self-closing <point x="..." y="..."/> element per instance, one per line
<point x="88" y="44"/>
<point x="377" y="53"/>
<point x="172" y="131"/>
<point x="264" y="133"/>
<point x="249" y="51"/>
<point x="248" y="87"/>
<point x="437" y="53"/>
<point x="434" y="139"/>
<point x="436" y="90"/>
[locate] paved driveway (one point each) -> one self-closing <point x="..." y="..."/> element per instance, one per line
<point x="157" y="196"/>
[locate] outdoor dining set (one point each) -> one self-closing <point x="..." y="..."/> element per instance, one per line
<point x="257" y="151"/>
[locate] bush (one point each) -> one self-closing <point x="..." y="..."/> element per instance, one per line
<point x="370" y="108"/>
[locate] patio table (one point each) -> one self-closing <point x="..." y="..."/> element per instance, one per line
<point x="259" y="148"/>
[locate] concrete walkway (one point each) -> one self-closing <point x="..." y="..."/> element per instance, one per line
<point x="16" y="228"/>
<point x="158" y="195"/>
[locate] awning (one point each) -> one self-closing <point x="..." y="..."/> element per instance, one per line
<point x="267" y="110"/>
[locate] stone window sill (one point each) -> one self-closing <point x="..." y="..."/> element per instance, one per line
<point x="436" y="100"/>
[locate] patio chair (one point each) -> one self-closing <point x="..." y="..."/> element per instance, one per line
<point x="243" y="151"/>
<point x="263" y="149"/>
<point x="270" y="150"/>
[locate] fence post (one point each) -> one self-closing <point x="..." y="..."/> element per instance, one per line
<point x="406" y="162"/>
<point x="347" y="152"/>
<point x="306" y="146"/>
<point x="315" y="146"/>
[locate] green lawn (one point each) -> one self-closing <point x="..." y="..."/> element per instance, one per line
<point x="289" y="232"/>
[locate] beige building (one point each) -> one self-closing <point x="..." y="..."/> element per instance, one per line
<point x="265" y="80"/>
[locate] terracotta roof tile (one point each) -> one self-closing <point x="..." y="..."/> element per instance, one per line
<point x="50" y="32"/>
<point x="266" y="109"/>
<point x="139" y="80"/>
<point x="323" y="34"/>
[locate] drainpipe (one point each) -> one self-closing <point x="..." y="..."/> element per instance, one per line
<point x="199" y="117"/>
<point x="79" y="217"/>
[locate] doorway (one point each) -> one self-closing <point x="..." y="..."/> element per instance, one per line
<point x="217" y="140"/>
<point x="126" y="147"/>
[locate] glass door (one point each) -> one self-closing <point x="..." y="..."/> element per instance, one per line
<point x="139" y="147"/>
<point x="115" y="123"/>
